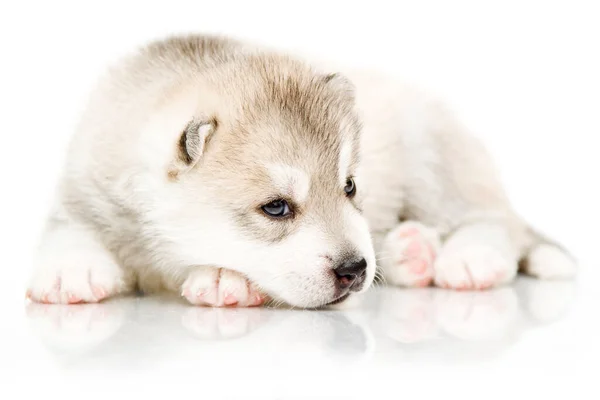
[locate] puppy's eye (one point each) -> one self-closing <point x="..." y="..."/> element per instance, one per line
<point x="350" y="188"/>
<point x="277" y="209"/>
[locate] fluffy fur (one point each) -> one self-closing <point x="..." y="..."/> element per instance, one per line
<point x="184" y="141"/>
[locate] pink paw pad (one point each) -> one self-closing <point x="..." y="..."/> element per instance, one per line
<point x="418" y="257"/>
<point x="72" y="299"/>
<point x="418" y="267"/>
<point x="413" y="250"/>
<point x="99" y="293"/>
<point x="230" y="300"/>
<point x="256" y="300"/>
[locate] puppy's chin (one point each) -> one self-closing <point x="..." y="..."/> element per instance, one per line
<point x="348" y="301"/>
<point x="352" y="301"/>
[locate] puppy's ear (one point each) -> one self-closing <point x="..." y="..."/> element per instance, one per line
<point x="193" y="142"/>
<point x="340" y="83"/>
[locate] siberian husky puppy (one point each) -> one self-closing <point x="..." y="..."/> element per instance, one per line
<point x="234" y="174"/>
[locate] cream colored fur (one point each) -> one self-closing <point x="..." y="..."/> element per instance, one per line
<point x="141" y="206"/>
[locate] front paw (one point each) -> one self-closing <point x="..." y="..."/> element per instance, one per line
<point x="476" y="266"/>
<point x="408" y="254"/>
<point x="75" y="281"/>
<point x="220" y="287"/>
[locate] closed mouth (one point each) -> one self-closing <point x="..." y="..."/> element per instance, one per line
<point x="338" y="300"/>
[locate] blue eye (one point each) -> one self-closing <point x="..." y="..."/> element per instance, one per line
<point x="350" y="188"/>
<point x="277" y="209"/>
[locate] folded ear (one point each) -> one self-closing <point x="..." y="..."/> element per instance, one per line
<point x="193" y="142"/>
<point x="341" y="83"/>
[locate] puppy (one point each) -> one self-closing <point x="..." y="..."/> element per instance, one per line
<point x="235" y="174"/>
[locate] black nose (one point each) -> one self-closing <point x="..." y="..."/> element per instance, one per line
<point x="351" y="274"/>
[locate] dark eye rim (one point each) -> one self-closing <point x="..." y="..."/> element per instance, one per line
<point x="350" y="193"/>
<point x="287" y="211"/>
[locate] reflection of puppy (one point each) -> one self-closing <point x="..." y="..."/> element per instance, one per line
<point x="222" y="323"/>
<point x="202" y="162"/>
<point x="119" y="332"/>
<point x="477" y="323"/>
<point x="78" y="329"/>
<point x="546" y="301"/>
<point x="339" y="334"/>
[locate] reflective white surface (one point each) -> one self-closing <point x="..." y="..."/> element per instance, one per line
<point x="392" y="338"/>
<point x="389" y="323"/>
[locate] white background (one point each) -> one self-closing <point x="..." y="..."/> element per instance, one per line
<point x="524" y="75"/>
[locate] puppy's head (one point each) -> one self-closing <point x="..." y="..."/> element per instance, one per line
<point x="267" y="173"/>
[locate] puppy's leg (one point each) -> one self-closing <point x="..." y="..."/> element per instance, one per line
<point x="72" y="266"/>
<point x="220" y="287"/>
<point x="546" y="260"/>
<point x="453" y="185"/>
<point x="477" y="256"/>
<point x="408" y="253"/>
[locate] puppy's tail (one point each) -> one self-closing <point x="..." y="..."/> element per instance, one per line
<point x="546" y="259"/>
